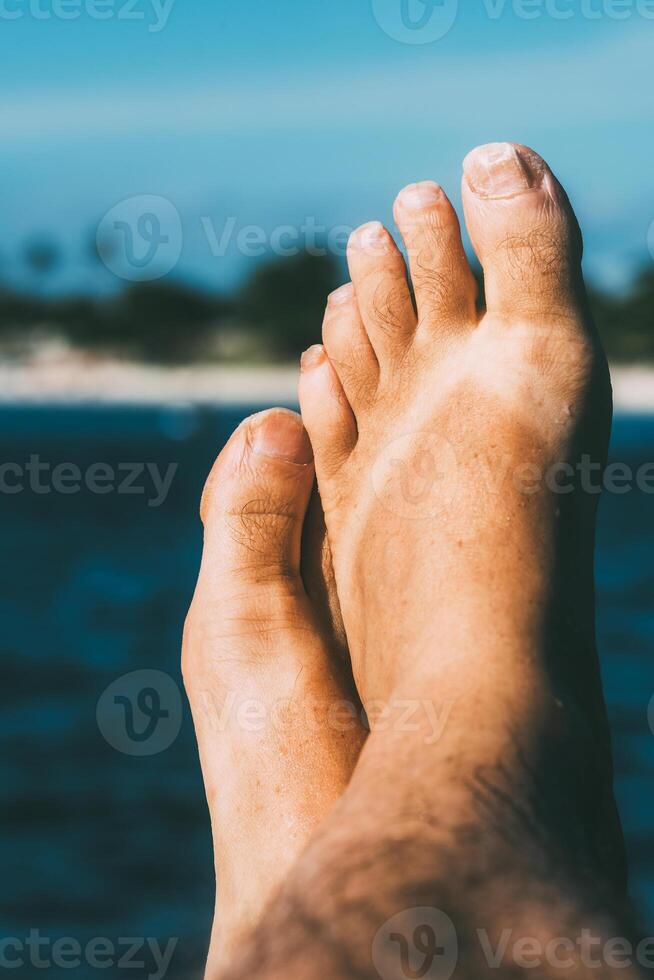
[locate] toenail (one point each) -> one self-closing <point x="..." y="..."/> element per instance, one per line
<point x="344" y="294"/>
<point x="502" y="170"/>
<point x="312" y="357"/>
<point x="421" y="197"/>
<point x="371" y="237"/>
<point x="282" y="436"/>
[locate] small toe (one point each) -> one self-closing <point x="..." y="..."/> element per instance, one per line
<point x="443" y="282"/>
<point x="348" y="347"/>
<point x="524" y="232"/>
<point x="326" y="412"/>
<point x="380" y="282"/>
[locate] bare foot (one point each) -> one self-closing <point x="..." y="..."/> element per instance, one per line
<point x="449" y="448"/>
<point x="275" y="717"/>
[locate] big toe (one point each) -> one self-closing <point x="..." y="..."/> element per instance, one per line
<point x="524" y="232"/>
<point x="255" y="501"/>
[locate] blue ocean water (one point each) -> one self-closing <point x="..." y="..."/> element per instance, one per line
<point x="99" y="842"/>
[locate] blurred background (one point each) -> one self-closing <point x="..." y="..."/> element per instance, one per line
<point x="177" y="182"/>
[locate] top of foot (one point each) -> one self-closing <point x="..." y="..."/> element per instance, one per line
<point x="446" y="441"/>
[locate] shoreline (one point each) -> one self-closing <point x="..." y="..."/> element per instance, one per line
<point x="79" y="381"/>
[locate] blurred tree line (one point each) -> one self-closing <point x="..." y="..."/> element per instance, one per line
<point x="275" y="315"/>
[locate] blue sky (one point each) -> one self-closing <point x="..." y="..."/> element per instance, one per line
<point x="266" y="112"/>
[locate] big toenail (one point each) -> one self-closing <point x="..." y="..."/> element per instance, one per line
<point x="344" y="294"/>
<point x="502" y="170"/>
<point x="312" y="357"/>
<point x="282" y="436"/>
<point x="421" y="197"/>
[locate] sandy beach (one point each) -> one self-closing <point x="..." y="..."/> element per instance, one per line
<point x="59" y="378"/>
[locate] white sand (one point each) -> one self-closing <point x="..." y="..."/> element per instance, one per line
<point x="62" y="376"/>
<point x="126" y="383"/>
<point x="633" y="388"/>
